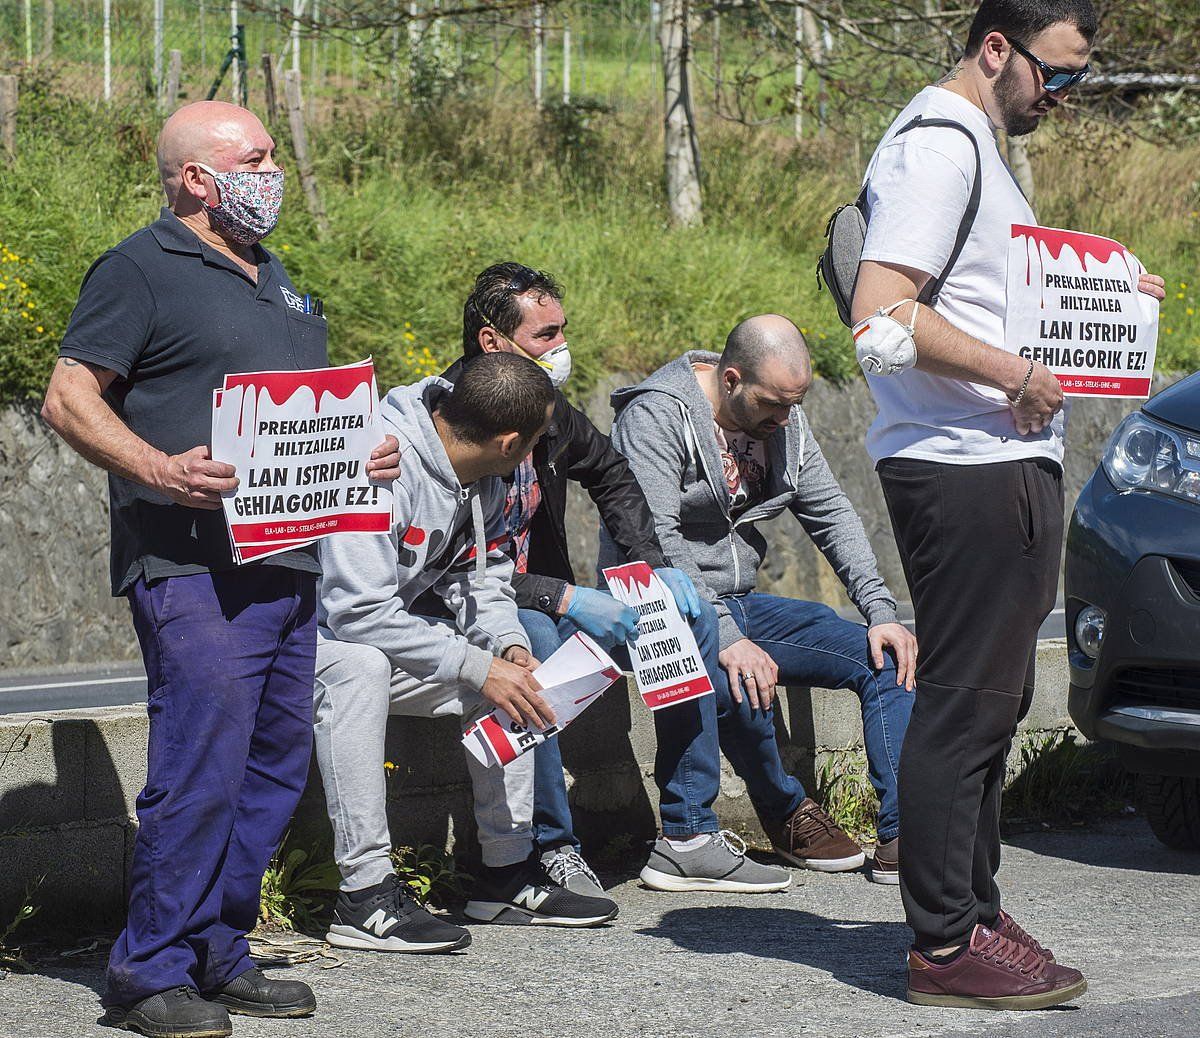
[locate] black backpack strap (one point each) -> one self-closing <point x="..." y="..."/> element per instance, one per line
<point x="933" y="288"/>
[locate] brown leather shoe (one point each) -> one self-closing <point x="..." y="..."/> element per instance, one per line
<point x="810" y="838"/>
<point x="885" y="863"/>
<point x="994" y="972"/>
<point x="1007" y="926"/>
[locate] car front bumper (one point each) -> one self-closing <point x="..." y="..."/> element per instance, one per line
<point x="1144" y="689"/>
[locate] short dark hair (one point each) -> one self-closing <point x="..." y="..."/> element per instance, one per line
<point x="493" y="301"/>
<point x="1021" y="20"/>
<point x="496" y="394"/>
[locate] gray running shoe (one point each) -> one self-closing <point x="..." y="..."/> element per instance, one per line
<point x="718" y="864"/>
<point x="566" y="867"/>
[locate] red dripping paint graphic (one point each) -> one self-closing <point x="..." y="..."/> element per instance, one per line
<point x="281" y="386"/>
<point x="634" y="575"/>
<point x="413" y="536"/>
<point x="1085" y="246"/>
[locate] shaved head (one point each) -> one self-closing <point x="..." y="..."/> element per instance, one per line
<point x="216" y="133"/>
<point x="766" y="341"/>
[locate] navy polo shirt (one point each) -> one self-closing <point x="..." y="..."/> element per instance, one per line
<point x="171" y="317"/>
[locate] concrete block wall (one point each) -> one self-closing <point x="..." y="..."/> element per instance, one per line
<point x="54" y="527"/>
<point x="69" y="780"/>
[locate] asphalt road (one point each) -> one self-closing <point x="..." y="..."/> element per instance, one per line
<point x="72" y="688"/>
<point x="822" y="959"/>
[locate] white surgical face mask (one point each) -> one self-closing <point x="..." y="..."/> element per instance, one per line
<point x="556" y="363"/>
<point x="882" y="344"/>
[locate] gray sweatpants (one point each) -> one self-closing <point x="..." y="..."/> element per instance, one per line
<point x="356" y="689"/>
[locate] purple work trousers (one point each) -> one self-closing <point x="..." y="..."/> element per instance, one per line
<point x="229" y="661"/>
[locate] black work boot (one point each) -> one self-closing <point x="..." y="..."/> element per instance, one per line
<point x="254" y="994"/>
<point x="176" y="1013"/>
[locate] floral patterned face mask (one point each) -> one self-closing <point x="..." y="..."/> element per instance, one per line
<point x="250" y="201"/>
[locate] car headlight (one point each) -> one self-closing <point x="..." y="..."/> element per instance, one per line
<point x="1143" y="455"/>
<point x="1089" y="630"/>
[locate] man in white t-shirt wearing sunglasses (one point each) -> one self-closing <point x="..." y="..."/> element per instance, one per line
<point x="968" y="444"/>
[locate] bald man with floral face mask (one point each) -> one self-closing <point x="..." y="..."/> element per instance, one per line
<point x="162" y="317"/>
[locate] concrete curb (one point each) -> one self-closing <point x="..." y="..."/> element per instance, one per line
<point x="69" y="780"/>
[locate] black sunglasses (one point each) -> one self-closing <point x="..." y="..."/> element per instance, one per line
<point x="1054" y="80"/>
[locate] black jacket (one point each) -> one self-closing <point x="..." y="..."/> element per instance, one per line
<point x="574" y="449"/>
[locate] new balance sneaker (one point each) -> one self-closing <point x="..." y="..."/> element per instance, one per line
<point x="1007" y="926"/>
<point x="253" y="993"/>
<point x="524" y="895"/>
<point x="720" y="863"/>
<point x="566" y="867"/>
<point x="176" y="1013"/>
<point x="811" y="839"/>
<point x="387" y="918"/>
<point x="885" y="862"/>
<point x="992" y="972"/>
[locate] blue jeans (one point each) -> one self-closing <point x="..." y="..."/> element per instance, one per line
<point x="229" y="660"/>
<point x="687" y="765"/>
<point x="813" y="646"/>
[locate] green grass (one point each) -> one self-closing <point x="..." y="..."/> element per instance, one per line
<point x="421" y="199"/>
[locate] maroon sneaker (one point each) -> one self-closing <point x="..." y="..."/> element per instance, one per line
<point x="1007" y="926"/>
<point x="994" y="972"/>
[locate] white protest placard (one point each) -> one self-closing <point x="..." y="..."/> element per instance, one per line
<point x="1073" y="304"/>
<point x="572" y="679"/>
<point x="666" y="660"/>
<point x="299" y="441"/>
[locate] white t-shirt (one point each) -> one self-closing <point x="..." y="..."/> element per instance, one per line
<point x="918" y="188"/>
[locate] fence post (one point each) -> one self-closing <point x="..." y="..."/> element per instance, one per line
<point x="107" y="50"/>
<point x="268" y="64"/>
<point x="174" y="75"/>
<point x="160" y="92"/>
<point x="47" y="28"/>
<point x="308" y="181"/>
<point x="236" y="67"/>
<point x="8" y="116"/>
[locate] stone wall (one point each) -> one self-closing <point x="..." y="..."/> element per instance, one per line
<point x="56" y="608"/>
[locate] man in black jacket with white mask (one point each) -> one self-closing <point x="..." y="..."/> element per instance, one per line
<point x="515" y="309"/>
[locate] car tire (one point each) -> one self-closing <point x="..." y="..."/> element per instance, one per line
<point x="1171" y="804"/>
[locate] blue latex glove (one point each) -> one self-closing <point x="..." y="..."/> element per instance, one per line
<point x="683" y="589"/>
<point x="602" y="616"/>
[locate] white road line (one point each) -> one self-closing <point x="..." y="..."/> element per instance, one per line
<point x="71" y="684"/>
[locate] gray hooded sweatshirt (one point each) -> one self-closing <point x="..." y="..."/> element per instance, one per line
<point x="664" y="426"/>
<point x="444" y="537"/>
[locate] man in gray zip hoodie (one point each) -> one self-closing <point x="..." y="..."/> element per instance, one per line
<point x="375" y="656"/>
<point x="720" y="443"/>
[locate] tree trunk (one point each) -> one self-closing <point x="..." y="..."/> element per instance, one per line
<point x="682" y="151"/>
<point x="1018" y="162"/>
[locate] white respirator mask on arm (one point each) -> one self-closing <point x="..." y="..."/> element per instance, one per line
<point x="882" y="344"/>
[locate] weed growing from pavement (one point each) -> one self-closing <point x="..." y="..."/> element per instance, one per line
<point x="431" y="874"/>
<point x="1059" y="780"/>
<point x="844" y="791"/>
<point x="11" y="957"/>
<point x="296" y="888"/>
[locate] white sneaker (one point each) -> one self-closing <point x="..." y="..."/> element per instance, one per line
<point x="566" y="867"/>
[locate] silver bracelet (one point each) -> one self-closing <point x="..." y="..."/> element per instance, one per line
<point x="1016" y="400"/>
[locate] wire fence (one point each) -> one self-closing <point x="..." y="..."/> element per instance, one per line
<point x="745" y="59"/>
<point x="803" y="65"/>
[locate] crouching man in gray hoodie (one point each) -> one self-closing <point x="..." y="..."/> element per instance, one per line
<point x="719" y="443"/>
<point x="375" y="657"/>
